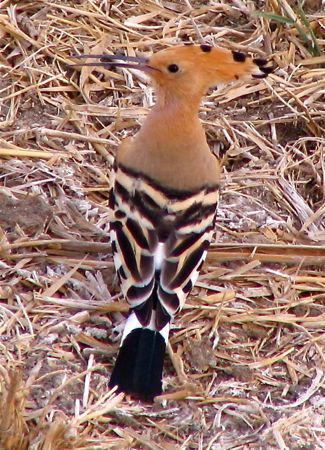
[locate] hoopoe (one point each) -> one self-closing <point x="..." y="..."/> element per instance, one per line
<point x="164" y="197"/>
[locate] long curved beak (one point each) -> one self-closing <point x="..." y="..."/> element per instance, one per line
<point x="111" y="61"/>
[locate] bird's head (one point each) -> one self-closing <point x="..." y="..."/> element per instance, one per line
<point x="188" y="71"/>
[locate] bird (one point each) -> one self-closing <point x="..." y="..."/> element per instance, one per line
<point x="164" y="196"/>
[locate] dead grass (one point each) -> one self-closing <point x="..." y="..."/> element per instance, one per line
<point x="245" y="368"/>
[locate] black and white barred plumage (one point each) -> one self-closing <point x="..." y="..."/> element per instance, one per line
<point x="160" y="238"/>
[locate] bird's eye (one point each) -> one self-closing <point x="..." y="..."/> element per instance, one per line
<point x="173" y="68"/>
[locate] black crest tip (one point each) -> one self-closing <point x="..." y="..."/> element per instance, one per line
<point x="239" y="56"/>
<point x="206" y="48"/>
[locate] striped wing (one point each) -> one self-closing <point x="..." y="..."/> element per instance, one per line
<point x="159" y="240"/>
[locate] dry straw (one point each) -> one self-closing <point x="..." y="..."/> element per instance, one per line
<point x="245" y="368"/>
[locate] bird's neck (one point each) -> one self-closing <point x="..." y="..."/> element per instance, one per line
<point x="171" y="149"/>
<point x="174" y="121"/>
<point x="176" y="106"/>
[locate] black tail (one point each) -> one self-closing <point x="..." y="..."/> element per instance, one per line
<point x="139" y="364"/>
